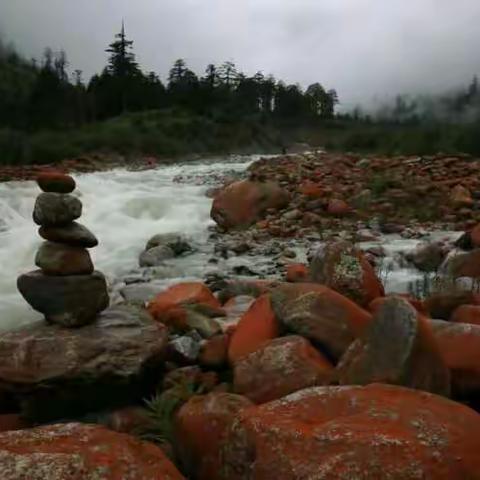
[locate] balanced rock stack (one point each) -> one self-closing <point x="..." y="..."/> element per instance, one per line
<point x="66" y="289"/>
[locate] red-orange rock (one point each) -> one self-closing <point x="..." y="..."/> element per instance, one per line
<point x="316" y="312"/>
<point x="200" y="428"/>
<point x="345" y="269"/>
<point x="297" y="272"/>
<point x="213" y="353"/>
<point x="279" y="367"/>
<point x="376" y="432"/>
<point x="311" y="190"/>
<point x="182" y="294"/>
<point x="466" y="314"/>
<point x="459" y="345"/>
<point x="257" y="326"/>
<point x="338" y="208"/>
<point x="475" y="236"/>
<point x="245" y="202"/>
<point x="74" y="451"/>
<point x="398" y="348"/>
<point x="56" y="182"/>
<point x="12" y="421"/>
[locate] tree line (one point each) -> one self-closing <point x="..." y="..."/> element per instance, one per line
<point x="41" y="94"/>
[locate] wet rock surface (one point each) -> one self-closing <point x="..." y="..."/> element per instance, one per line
<point x="55" y="371"/>
<point x="75" y="451"/>
<point x="377" y="431"/>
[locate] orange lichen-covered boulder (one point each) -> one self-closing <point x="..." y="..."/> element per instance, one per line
<point x="398" y="348"/>
<point x="345" y="269"/>
<point x="243" y="203"/>
<point x="76" y="452"/>
<point x="316" y="312"/>
<point x="280" y="367"/>
<point x="296" y="272"/>
<point x="257" y="326"/>
<point x="182" y="294"/>
<point x="376" y="432"/>
<point x="200" y="427"/>
<point x="459" y="345"/>
<point x="56" y="182"/>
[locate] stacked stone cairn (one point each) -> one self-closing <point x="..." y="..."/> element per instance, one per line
<point x="66" y="289"/>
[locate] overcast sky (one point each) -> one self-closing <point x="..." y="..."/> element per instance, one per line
<point x="363" y="48"/>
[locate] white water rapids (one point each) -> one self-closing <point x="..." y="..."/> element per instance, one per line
<point x="124" y="209"/>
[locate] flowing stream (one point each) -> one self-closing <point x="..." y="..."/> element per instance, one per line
<point x="124" y="209"/>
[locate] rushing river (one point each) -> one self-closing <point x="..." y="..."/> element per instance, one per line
<point x="124" y="209"/>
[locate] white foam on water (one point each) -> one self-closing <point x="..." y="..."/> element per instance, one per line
<point x="122" y="208"/>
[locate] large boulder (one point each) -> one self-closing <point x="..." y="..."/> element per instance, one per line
<point x="56" y="372"/>
<point x="73" y="234"/>
<point x="73" y="451"/>
<point x="71" y="301"/>
<point x="330" y="320"/>
<point x="279" y="367"/>
<point x="257" y="326"/>
<point x="398" y="348"/>
<point x="56" y="209"/>
<point x="459" y="345"/>
<point x="361" y="433"/>
<point x="200" y="428"/>
<point x="344" y="268"/>
<point x="242" y="203"/>
<point x="59" y="259"/>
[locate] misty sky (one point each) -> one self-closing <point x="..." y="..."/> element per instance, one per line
<point x="363" y="48"/>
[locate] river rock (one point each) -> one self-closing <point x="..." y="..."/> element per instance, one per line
<point x="58" y="259"/>
<point x="72" y="234"/>
<point x="362" y="433"/>
<point x="257" y="326"/>
<point x="71" y="301"/>
<point x="345" y="269"/>
<point x="155" y="256"/>
<point x="177" y="243"/>
<point x="200" y="428"/>
<point x="73" y="451"/>
<point x="56" y="182"/>
<point x="56" y="209"/>
<point x="427" y="257"/>
<point x="242" y="203"/>
<point x="57" y="372"/>
<point x="398" y="348"/>
<point x="279" y="367"/>
<point x="460" y="264"/>
<point x="330" y="320"/>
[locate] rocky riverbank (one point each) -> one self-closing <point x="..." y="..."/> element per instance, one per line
<point x="307" y="370"/>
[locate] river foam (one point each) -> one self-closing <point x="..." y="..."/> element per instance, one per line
<point x="123" y="208"/>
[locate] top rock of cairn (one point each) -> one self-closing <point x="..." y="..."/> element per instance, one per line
<point x="56" y="182"/>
